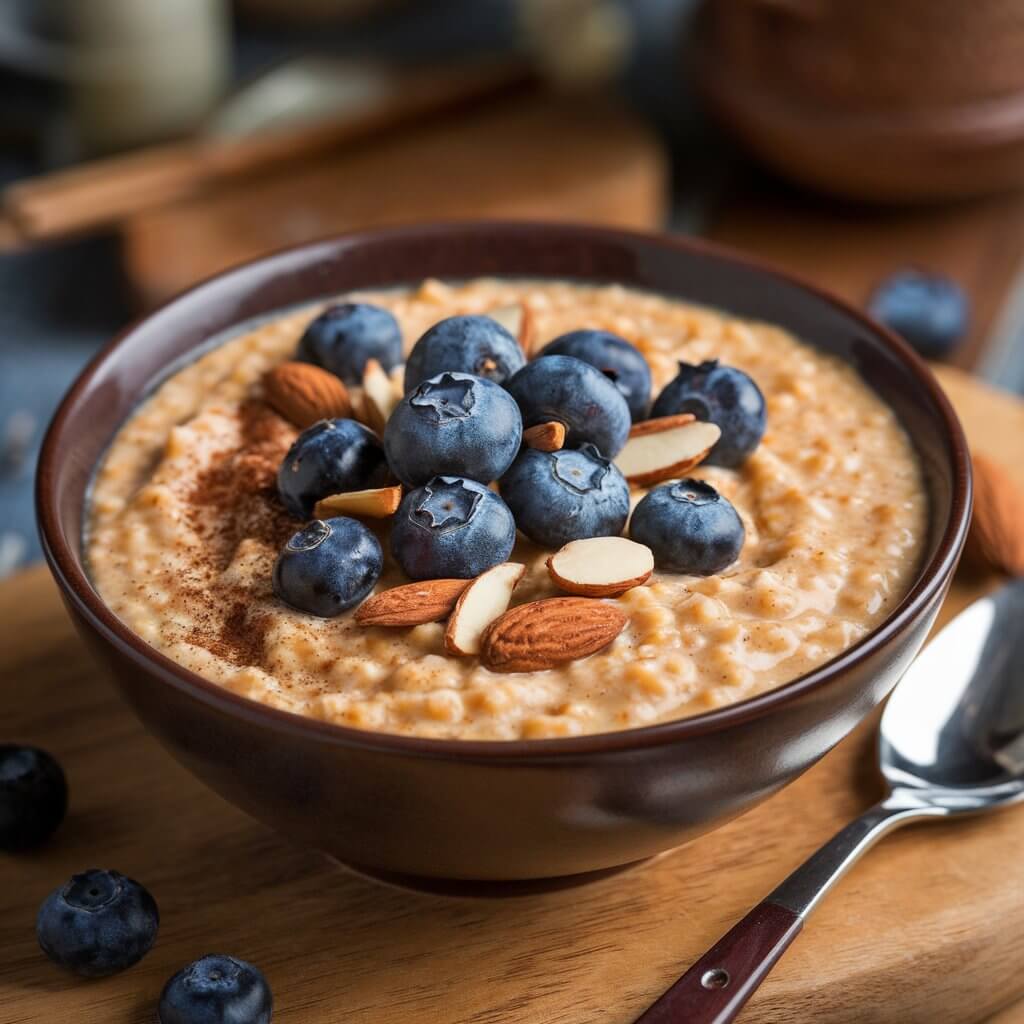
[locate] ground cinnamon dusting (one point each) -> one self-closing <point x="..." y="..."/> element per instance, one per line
<point x="235" y="499"/>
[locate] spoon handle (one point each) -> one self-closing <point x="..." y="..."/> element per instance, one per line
<point x="716" y="987"/>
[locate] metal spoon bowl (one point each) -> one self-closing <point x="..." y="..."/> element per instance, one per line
<point x="951" y="742"/>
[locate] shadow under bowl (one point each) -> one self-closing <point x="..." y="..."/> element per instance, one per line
<point x="488" y="811"/>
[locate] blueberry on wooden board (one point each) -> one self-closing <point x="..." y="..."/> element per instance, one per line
<point x="33" y="796"/>
<point x="97" y="923"/>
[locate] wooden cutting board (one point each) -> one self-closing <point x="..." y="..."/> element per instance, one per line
<point x="536" y="156"/>
<point x="929" y="929"/>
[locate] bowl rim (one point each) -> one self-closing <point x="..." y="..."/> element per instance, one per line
<point x="930" y="580"/>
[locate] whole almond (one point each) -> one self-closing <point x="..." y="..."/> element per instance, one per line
<point x="411" y="604"/>
<point x="304" y="393"/>
<point x="544" y="634"/>
<point x="996" y="538"/>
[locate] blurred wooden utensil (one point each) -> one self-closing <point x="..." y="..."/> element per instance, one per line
<point x="365" y="99"/>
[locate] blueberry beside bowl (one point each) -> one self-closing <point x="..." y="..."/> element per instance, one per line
<point x="433" y="810"/>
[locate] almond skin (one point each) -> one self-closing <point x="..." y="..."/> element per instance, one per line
<point x="996" y="538"/>
<point x="544" y="634"/>
<point x="660" y="423"/>
<point x="545" y="437"/>
<point x="411" y="604"/>
<point x="376" y="503"/>
<point x="304" y="394"/>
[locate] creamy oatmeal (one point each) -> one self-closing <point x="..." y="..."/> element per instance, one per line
<point x="185" y="528"/>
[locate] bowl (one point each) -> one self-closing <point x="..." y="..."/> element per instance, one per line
<point x="909" y="101"/>
<point x="443" y="813"/>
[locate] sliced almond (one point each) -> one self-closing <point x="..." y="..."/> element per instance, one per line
<point x="518" y="321"/>
<point x="411" y="604"/>
<point x="397" y="376"/>
<point x="481" y="603"/>
<point x="379" y="396"/>
<point x="544" y="634"/>
<point x="545" y="437"/>
<point x="601" y="566"/>
<point x="304" y="394"/>
<point x="376" y="503"/>
<point x="665" y="448"/>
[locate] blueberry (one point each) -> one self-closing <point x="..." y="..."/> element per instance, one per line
<point x="572" y="392"/>
<point x="98" y="923"/>
<point x="468" y="344"/>
<point x="722" y="395"/>
<point x="453" y="425"/>
<point x="327" y="458"/>
<point x="930" y="311"/>
<point x="621" y="362"/>
<point x="451" y="528"/>
<point x="343" y="337"/>
<point x="33" y="797"/>
<point x="566" y="495"/>
<point x="328" y="566"/>
<point x="689" y="526"/>
<point x="217" y="990"/>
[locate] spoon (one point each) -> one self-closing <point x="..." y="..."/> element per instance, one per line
<point x="951" y="742"/>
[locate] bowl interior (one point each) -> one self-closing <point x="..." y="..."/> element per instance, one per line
<point x="112" y="385"/>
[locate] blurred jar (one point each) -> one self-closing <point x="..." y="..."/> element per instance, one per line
<point x="145" y="70"/>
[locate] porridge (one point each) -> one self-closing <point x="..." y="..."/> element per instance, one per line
<point x="187" y="524"/>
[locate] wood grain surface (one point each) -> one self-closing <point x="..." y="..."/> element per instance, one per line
<point x="849" y="249"/>
<point x="928" y="929"/>
<point x="546" y="157"/>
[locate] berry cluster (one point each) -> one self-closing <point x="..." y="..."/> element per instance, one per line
<point x="462" y="442"/>
<point x="100" y="923"/>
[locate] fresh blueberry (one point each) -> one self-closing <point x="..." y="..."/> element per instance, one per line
<point x="330" y="457"/>
<point x="344" y="337"/>
<point x="33" y="797"/>
<point x="689" y="526"/>
<point x="453" y="425"/>
<point x="98" y="923"/>
<point x="469" y="344"/>
<point x="566" y="495"/>
<point x="621" y="362"/>
<point x="451" y="528"/>
<point x="930" y="311"/>
<point x="576" y="394"/>
<point x="328" y="566"/>
<point x="722" y="395"/>
<point x="217" y="990"/>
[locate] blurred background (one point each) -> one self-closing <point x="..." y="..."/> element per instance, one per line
<point x="877" y="149"/>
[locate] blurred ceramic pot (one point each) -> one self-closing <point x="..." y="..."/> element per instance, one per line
<point x="910" y="100"/>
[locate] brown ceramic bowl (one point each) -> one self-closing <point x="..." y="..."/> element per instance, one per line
<point x="441" y="810"/>
<point x="904" y="101"/>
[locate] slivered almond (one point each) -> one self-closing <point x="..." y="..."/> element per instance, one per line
<point x="665" y="448"/>
<point x="545" y="437"/>
<point x="376" y="503"/>
<point x="544" y="634"/>
<point x="517" y="320"/>
<point x="379" y="396"/>
<point x="601" y="566"/>
<point x="304" y="393"/>
<point x="481" y="603"/>
<point x="411" y="604"/>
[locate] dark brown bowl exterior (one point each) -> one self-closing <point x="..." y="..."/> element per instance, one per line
<point x="441" y="809"/>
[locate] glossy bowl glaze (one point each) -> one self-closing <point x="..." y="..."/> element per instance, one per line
<point x="441" y="810"/>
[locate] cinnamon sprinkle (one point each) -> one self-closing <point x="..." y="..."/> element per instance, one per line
<point x="235" y="499"/>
